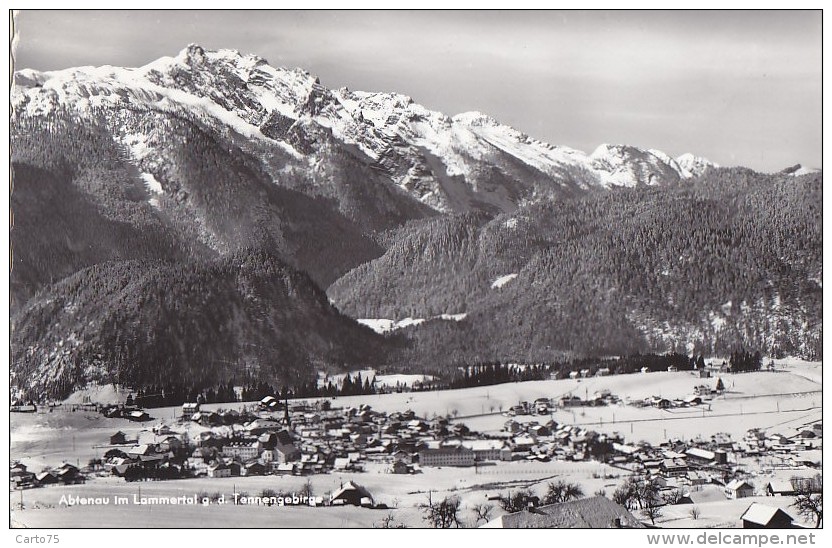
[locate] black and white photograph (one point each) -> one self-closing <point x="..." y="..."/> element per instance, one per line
<point x="416" y="269"/>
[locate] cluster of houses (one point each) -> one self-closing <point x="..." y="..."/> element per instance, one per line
<point x="129" y="412"/>
<point x="301" y="439"/>
<point x="713" y="469"/>
<point x="297" y="439"/>
<point x="700" y="393"/>
<point x="759" y="442"/>
<point x="585" y="373"/>
<point x="544" y="406"/>
<point x="22" y="478"/>
<point x="599" y="398"/>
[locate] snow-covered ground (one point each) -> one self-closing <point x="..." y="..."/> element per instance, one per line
<point x="389" y="380"/>
<point x="106" y="393"/>
<point x="384" y="325"/>
<point x="502" y="280"/>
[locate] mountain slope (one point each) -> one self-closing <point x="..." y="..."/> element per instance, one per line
<point x="732" y="260"/>
<point x="242" y="318"/>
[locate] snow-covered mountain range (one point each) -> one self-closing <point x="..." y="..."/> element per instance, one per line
<point x="464" y="162"/>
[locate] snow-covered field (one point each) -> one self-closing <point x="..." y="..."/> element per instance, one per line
<point x="402" y="493"/>
<point x="382" y="381"/>
<point x="384" y="325"/>
<point x="789" y="397"/>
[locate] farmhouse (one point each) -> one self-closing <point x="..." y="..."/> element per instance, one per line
<point x="352" y="493"/>
<point x="697" y="478"/>
<point x="119" y="438"/>
<point x="401" y="467"/>
<point x="68" y="474"/>
<point x="738" y="489"/>
<point x="695" y="454"/>
<point x="253" y="468"/>
<point x="269" y="402"/>
<point x="782" y="488"/>
<point x="138" y="416"/>
<point x="702" y="390"/>
<point x="703" y="494"/>
<point x="589" y="513"/>
<point x="140" y="450"/>
<point x="674" y="467"/>
<point x="661" y="403"/>
<point x="19" y="476"/>
<point x="46" y="478"/>
<point x="762" y="516"/>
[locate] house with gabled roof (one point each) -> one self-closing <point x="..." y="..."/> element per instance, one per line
<point x="780" y="488"/>
<point x="763" y="516"/>
<point x="119" y="438"/>
<point x="352" y="493"/>
<point x="590" y="513"/>
<point x="46" y="478"/>
<point x="738" y="489"/>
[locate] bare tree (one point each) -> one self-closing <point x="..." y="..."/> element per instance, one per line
<point x="652" y="510"/>
<point x="694" y="513"/>
<point x="517" y="501"/>
<point x="623" y="496"/>
<point x="442" y="515"/>
<point x="673" y="496"/>
<point x="651" y="501"/>
<point x="389" y="522"/>
<point x="561" y="491"/>
<point x="628" y="495"/>
<point x="482" y="512"/>
<point x="809" y="499"/>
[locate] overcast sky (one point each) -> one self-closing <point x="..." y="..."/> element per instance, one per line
<point x="740" y="88"/>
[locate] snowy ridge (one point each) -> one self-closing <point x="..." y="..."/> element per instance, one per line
<point x="694" y="166"/>
<point x="448" y="163"/>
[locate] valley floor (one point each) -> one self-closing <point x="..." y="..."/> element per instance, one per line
<point x="779" y="401"/>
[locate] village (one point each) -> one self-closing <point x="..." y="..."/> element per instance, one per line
<point x="324" y="437"/>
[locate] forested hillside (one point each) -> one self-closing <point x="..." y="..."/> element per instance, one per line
<point x="244" y="318"/>
<point x="730" y="259"/>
